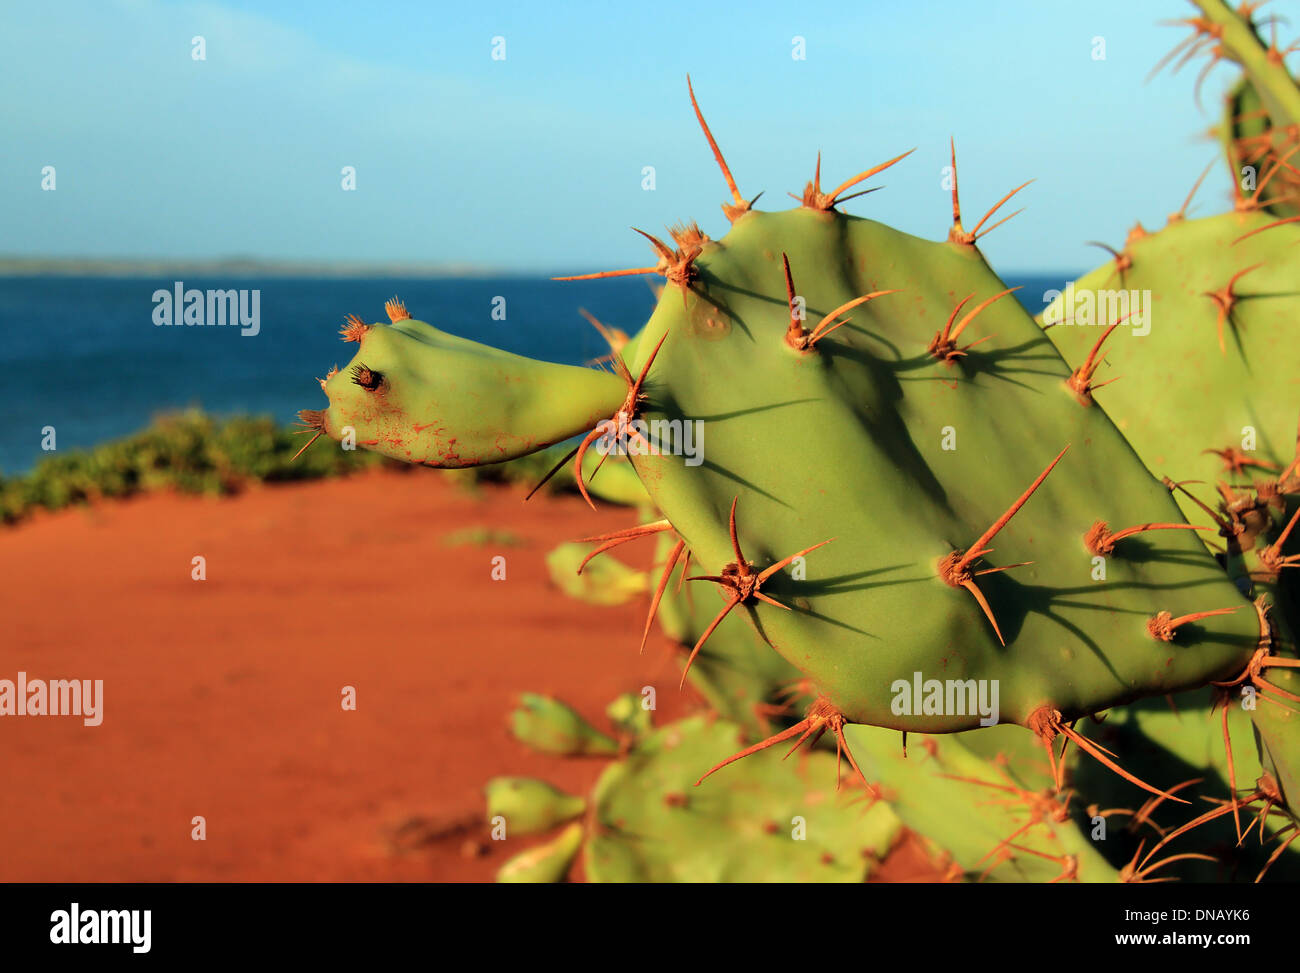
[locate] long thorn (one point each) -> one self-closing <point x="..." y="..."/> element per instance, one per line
<point x="771" y="741"/>
<point x="1002" y="521"/>
<point x="645" y="369"/>
<point x="1278" y="853"/>
<point x="611" y="273"/>
<point x="983" y="603"/>
<point x="1246" y="236"/>
<point x="309" y="442"/>
<point x="996" y="206"/>
<point x="974" y="312"/>
<point x="664" y="578"/>
<point x="1181" y="213"/>
<point x="554" y="469"/>
<point x="769" y="571"/>
<point x="579" y="454"/>
<point x="1086" y="745"/>
<point x="731" y="529"/>
<point x="850" y="183"/>
<point x="612" y="540"/>
<point x="717" y="152"/>
<point x="615" y="357"/>
<point x="822" y="328"/>
<point x="731" y="603"/>
<point x="956" y="199"/>
<point x="1232" y="771"/>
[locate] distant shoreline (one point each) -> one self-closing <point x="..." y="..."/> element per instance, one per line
<point x="235" y="267"/>
<point x="228" y="267"/>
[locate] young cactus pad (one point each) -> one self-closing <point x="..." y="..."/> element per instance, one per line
<point x="419" y="395"/>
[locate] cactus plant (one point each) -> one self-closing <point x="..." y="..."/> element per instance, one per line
<point x="1206" y="741"/>
<point x="1219" y="305"/>
<point x="549" y="726"/>
<point x="779" y="821"/>
<point x="826" y="433"/>
<point x="988" y="800"/>
<point x="736" y="673"/>
<point x="1260" y="128"/>
<point x="935" y="514"/>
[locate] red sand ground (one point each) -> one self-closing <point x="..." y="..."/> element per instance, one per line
<point x="222" y="697"/>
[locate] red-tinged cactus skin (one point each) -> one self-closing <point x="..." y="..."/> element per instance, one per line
<point x="904" y="484"/>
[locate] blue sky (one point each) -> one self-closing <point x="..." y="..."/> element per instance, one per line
<point x="534" y="162"/>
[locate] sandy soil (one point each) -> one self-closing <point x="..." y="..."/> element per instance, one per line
<point x="222" y="697"/>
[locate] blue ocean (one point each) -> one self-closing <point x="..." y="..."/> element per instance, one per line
<point x="82" y="354"/>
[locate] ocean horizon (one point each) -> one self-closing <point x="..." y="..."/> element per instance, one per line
<point x="83" y="353"/>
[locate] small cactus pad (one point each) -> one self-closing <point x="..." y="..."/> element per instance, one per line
<point x="420" y="395"/>
<point x="529" y="805"/>
<point x="777" y="821"/>
<point x="549" y="726"/>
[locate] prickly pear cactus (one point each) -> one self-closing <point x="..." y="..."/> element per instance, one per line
<point x="778" y="821"/>
<point x="1260" y="128"/>
<point x="1218" y="308"/>
<point x="990" y="802"/>
<point x="988" y="799"/>
<point x="1201" y="375"/>
<point x="530" y="805"/>
<point x="735" y="672"/>
<point x="1236" y="831"/>
<point x="899" y="476"/>
<point x="884" y="405"/>
<point x="1276" y="718"/>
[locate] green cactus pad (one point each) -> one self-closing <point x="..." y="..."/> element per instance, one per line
<point x="1177" y="396"/>
<point x="549" y="726"/>
<point x="530" y="805"/>
<point x="1277" y="723"/>
<point x="547" y="863"/>
<point x="1181" y="739"/>
<point x="604" y="581"/>
<point x="873" y="403"/>
<point x="777" y="821"/>
<point x="421" y="395"/>
<point x="986" y="798"/>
